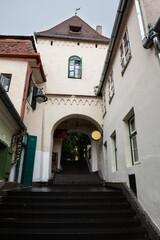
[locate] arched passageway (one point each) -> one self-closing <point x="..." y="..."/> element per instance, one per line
<point x="73" y="150"/>
<point x="75" y="153"/>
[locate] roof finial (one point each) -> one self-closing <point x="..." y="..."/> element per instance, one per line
<point x="77" y="9"/>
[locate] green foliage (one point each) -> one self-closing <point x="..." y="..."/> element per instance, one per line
<point x="74" y="146"/>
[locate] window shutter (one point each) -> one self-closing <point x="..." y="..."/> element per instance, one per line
<point x="33" y="104"/>
<point x="30" y="79"/>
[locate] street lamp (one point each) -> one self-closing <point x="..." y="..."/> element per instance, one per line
<point x="39" y="96"/>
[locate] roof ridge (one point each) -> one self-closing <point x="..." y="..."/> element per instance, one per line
<point x="92" y="28"/>
<point x="61" y="30"/>
<point x="56" y="25"/>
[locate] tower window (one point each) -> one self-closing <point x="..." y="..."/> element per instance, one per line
<point x="51" y="43"/>
<point x="75" y="67"/>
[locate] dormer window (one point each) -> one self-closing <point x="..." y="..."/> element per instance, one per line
<point x="75" y="29"/>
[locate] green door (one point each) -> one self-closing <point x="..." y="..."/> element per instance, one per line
<point x="8" y="162"/>
<point x="5" y="160"/>
<point x="28" y="164"/>
<point x="3" y="149"/>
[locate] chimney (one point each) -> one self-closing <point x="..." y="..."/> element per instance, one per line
<point x="99" y="29"/>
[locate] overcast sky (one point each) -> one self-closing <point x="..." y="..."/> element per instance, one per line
<point x="24" y="17"/>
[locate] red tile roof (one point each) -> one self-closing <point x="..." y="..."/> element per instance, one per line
<point x="11" y="44"/>
<point x="66" y="29"/>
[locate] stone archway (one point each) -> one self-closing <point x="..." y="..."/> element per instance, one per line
<point x="76" y="123"/>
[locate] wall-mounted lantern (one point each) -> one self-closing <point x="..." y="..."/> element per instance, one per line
<point x="40" y="97"/>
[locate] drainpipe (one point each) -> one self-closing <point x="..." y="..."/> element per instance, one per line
<point x="26" y="89"/>
<point x="140" y="19"/>
<point x="153" y="35"/>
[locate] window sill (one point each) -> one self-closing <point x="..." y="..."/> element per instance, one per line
<point x="74" y="78"/>
<point x="136" y="163"/>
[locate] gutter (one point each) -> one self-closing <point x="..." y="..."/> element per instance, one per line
<point x="29" y="56"/>
<point x="70" y="37"/>
<point x="7" y="102"/>
<point x="116" y="27"/>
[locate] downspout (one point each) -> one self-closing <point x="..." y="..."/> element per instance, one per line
<point x="153" y="35"/>
<point x="26" y="89"/>
<point x="140" y="19"/>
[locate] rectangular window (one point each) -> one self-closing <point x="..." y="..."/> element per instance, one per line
<point x="115" y="151"/>
<point x="32" y="90"/>
<point x="104" y="110"/>
<point x="75" y="67"/>
<point x="5" y="81"/>
<point x="111" y="89"/>
<point x="125" y="52"/>
<point x="133" y="140"/>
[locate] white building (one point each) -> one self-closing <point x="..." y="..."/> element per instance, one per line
<point x="125" y="108"/>
<point x="72" y="54"/>
<point x="130" y="86"/>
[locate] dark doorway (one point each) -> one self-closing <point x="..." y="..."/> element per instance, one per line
<point x="74" y="153"/>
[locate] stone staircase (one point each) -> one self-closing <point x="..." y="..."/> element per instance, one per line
<point x="77" y="179"/>
<point x="72" y="212"/>
<point x="76" y="173"/>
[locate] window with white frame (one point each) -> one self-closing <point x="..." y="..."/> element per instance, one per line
<point x="125" y="51"/>
<point x="111" y="89"/>
<point x="133" y="140"/>
<point x="5" y="80"/>
<point x="104" y="109"/>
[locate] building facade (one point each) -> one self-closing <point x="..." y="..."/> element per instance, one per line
<point x="116" y="94"/>
<point x="72" y="54"/>
<point x="130" y="92"/>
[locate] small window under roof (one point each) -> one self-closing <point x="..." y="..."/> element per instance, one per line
<point x="75" y="28"/>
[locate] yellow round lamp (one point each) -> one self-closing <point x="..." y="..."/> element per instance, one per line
<point x="96" y="135"/>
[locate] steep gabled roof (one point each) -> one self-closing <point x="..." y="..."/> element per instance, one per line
<point x="73" y="28"/>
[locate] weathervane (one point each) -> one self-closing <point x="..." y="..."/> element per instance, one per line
<point x="77" y="9"/>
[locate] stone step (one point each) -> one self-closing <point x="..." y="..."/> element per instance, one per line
<point x="70" y="233"/>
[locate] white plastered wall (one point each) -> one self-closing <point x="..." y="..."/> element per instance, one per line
<point x="55" y="61"/>
<point x="46" y="119"/>
<point x="137" y="89"/>
<point x="18" y="69"/>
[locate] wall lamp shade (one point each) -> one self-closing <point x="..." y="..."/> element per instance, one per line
<point x="40" y="97"/>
